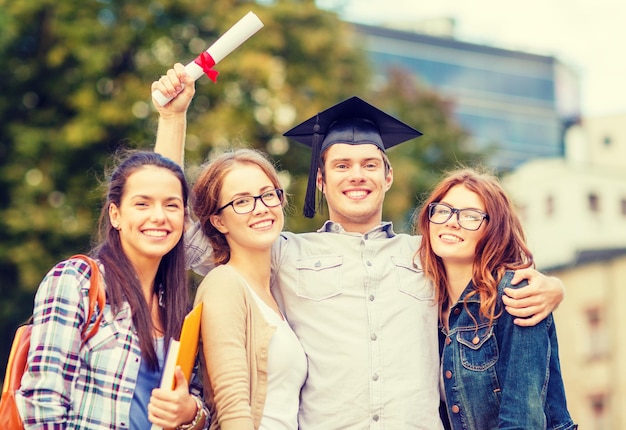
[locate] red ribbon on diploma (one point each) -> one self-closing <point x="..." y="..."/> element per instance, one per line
<point x="206" y="62"/>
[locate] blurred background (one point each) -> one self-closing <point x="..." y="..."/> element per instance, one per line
<point x="532" y="91"/>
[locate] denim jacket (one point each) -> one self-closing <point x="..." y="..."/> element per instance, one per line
<point x="503" y="376"/>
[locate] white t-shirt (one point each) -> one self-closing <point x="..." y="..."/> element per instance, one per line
<point x="286" y="372"/>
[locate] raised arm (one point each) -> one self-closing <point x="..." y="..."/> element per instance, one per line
<point x="534" y="302"/>
<point x="170" y="140"/>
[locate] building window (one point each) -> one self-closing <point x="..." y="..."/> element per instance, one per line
<point x="597" y="338"/>
<point x="598" y="405"/>
<point x="550" y="206"/>
<point x="594" y="202"/>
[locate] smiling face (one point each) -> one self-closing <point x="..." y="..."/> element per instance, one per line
<point x="151" y="214"/>
<point x="256" y="230"/>
<point x="355" y="184"/>
<point x="455" y="245"/>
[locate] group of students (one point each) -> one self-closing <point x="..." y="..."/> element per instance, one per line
<point x="349" y="327"/>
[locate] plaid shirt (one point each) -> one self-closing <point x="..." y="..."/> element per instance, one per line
<point x="66" y="386"/>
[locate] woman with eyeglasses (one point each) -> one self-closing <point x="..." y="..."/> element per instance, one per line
<point x="494" y="374"/>
<point x="254" y="364"/>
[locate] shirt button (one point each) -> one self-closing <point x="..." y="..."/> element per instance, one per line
<point x="455" y="409"/>
<point x="369" y="263"/>
<point x="475" y="340"/>
<point x="318" y="263"/>
<point x="371" y="297"/>
<point x="373" y="336"/>
<point x="375" y="377"/>
<point x="457" y="311"/>
<point x="375" y="417"/>
<point x="448" y="374"/>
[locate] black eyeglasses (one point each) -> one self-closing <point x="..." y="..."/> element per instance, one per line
<point x="469" y="219"/>
<point x="246" y="204"/>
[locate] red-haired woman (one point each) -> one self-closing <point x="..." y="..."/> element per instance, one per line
<point x="494" y="374"/>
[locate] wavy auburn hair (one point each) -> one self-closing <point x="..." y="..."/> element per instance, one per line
<point x="502" y="247"/>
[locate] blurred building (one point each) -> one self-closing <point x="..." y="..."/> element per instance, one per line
<point x="521" y="103"/>
<point x="575" y="207"/>
<point x="574" y="213"/>
<point x="592" y="339"/>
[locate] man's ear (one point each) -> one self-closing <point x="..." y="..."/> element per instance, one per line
<point x="216" y="221"/>
<point x="319" y="181"/>
<point x="389" y="179"/>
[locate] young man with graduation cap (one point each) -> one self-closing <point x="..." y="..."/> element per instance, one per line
<point x="351" y="123"/>
<point x="365" y="315"/>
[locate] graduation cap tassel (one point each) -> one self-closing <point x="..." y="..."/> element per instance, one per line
<point x="351" y="122"/>
<point x="310" y="203"/>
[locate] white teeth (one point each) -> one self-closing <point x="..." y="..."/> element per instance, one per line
<point x="155" y="233"/>
<point x="356" y="193"/>
<point x="262" y="224"/>
<point x="451" y="238"/>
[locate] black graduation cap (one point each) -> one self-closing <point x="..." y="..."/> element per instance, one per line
<point x="353" y="121"/>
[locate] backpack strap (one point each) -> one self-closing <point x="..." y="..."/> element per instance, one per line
<point x="96" y="296"/>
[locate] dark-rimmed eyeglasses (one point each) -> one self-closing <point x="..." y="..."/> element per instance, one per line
<point x="246" y="204"/>
<point x="469" y="219"/>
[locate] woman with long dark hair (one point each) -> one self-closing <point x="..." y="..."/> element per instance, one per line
<point x="112" y="380"/>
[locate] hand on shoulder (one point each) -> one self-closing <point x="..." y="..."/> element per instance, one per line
<point x="533" y="303"/>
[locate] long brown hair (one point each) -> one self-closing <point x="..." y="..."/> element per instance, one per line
<point x="206" y="193"/>
<point x="121" y="285"/>
<point x="502" y="247"/>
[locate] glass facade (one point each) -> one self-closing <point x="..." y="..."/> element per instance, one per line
<point x="504" y="99"/>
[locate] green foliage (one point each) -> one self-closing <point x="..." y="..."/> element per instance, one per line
<point x="418" y="164"/>
<point x="75" y="86"/>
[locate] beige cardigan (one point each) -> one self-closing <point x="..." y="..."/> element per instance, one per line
<point x="234" y="351"/>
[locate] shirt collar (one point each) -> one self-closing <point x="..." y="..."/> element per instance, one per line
<point x="474" y="299"/>
<point x="382" y="231"/>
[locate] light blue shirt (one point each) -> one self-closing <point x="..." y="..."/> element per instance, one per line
<point x="367" y="320"/>
<point x="147" y="380"/>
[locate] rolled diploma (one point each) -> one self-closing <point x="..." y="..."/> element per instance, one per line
<point x="235" y="36"/>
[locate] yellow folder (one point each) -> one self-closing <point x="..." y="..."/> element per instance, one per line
<point x="183" y="352"/>
<point x="189" y="337"/>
